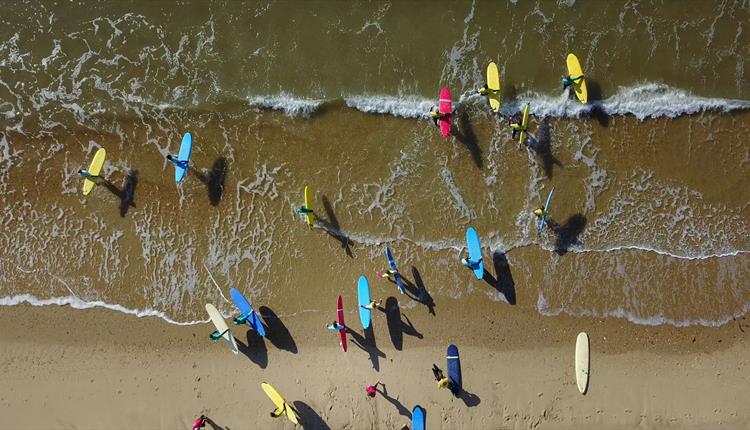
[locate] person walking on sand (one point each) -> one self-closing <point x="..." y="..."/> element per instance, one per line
<point x="372" y="390"/>
<point x="200" y="422"/>
<point x="372" y="305"/>
<point x="387" y="274"/>
<point x="335" y="326"/>
<point x="442" y="381"/>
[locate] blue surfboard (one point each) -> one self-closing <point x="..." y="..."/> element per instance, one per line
<point x="454" y="368"/>
<point x="392" y="264"/>
<point x="246" y="310"/>
<point x="543" y="219"/>
<point x="363" y="298"/>
<point x="417" y="418"/>
<point x="475" y="252"/>
<point x="183" y="159"/>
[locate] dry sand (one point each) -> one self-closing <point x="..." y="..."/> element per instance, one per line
<point x="65" y="368"/>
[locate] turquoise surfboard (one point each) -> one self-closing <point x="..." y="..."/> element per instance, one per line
<point x="475" y="252"/>
<point x="246" y="310"/>
<point x="417" y="418"/>
<point x="183" y="159"/>
<point x="543" y="219"/>
<point x="363" y="298"/>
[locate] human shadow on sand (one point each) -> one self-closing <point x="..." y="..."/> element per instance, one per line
<point x="567" y="234"/>
<point x="417" y="291"/>
<point x="464" y="133"/>
<point x="595" y="98"/>
<point x="214" y="425"/>
<point x="255" y="349"/>
<point x="127" y="193"/>
<point x="277" y="333"/>
<point x="402" y="410"/>
<point x="367" y="343"/>
<point x="309" y="419"/>
<point x="331" y="225"/>
<point x="503" y="279"/>
<point x="214" y="180"/>
<point x="396" y="326"/>
<point x="469" y="399"/>
<point x="541" y="145"/>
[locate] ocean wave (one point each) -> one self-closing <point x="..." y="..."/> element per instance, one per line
<point x="292" y="106"/>
<point x="77" y="303"/>
<point x="399" y="106"/>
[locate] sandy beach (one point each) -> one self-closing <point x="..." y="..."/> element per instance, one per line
<point x="86" y="369"/>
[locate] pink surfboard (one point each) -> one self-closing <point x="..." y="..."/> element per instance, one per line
<point x="446" y="108"/>
<point x="340" y="320"/>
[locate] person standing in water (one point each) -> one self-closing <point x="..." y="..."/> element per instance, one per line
<point x="435" y="114"/>
<point x="540" y="212"/>
<point x="85" y="173"/>
<point x="303" y="210"/>
<point x="567" y="80"/>
<point x="470" y="263"/>
<point x="172" y="159"/>
<point x="515" y="127"/>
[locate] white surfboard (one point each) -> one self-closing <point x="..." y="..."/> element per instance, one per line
<point x="582" y="362"/>
<point x="222" y="327"/>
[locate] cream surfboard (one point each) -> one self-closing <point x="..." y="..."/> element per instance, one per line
<point x="574" y="70"/>
<point x="280" y="402"/>
<point x="94" y="169"/>
<point x="524" y="125"/>
<point x="582" y="362"/>
<point x="493" y="85"/>
<point x="221" y="327"/>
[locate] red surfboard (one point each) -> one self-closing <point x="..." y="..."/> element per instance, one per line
<point x="446" y="108"/>
<point x="340" y="320"/>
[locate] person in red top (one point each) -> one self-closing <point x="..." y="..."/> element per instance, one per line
<point x="200" y="422"/>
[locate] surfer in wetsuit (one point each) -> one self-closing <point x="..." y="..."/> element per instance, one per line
<point x="539" y="212"/>
<point x="335" y="326"/>
<point x="279" y="411"/>
<point x="304" y="210"/>
<point x="176" y="162"/>
<point x="471" y="264"/>
<point x="568" y="81"/>
<point x="435" y="114"/>
<point x="515" y="127"/>
<point x="217" y="334"/>
<point x="85" y="173"/>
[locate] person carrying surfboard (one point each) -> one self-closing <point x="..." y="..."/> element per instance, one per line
<point x="387" y="274"/>
<point x="372" y="305"/>
<point x="485" y="90"/>
<point x="85" y="173"/>
<point x="303" y="210"/>
<point x="470" y="264"/>
<point x="200" y="422"/>
<point x="335" y="326"/>
<point x="435" y="114"/>
<point x="442" y="381"/>
<point x="567" y="80"/>
<point x="281" y="410"/>
<point x="172" y="159"/>
<point x="515" y="127"/>
<point x="216" y="335"/>
<point x="540" y="212"/>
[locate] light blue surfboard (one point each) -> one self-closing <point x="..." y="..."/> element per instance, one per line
<point x="417" y="418"/>
<point x="392" y="264"/>
<point x="475" y="251"/>
<point x="543" y="219"/>
<point x="247" y="310"/>
<point x="363" y="298"/>
<point x="186" y="147"/>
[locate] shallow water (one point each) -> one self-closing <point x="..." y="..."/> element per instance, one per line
<point x="649" y="219"/>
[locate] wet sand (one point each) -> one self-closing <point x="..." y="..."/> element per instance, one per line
<point x="100" y="369"/>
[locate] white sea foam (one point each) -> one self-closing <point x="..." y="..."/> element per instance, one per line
<point x="292" y="106"/>
<point x="77" y="303"/>
<point x="400" y="106"/>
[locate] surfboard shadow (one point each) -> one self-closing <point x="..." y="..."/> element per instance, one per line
<point x="367" y="343"/>
<point x="309" y="419"/>
<point x="396" y="326"/>
<point x="596" y="95"/>
<point x="255" y="349"/>
<point x="214" y="180"/>
<point x="332" y="227"/>
<point x="464" y="133"/>
<point x="126" y="194"/>
<point x="567" y="234"/>
<point x="277" y="333"/>
<point x="541" y="145"/>
<point x="402" y="410"/>
<point x="417" y="291"/>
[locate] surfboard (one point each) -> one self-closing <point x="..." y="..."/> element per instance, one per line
<point x="363" y="298"/>
<point x="582" y="362"/>
<point x="308" y="204"/>
<point x="417" y="418"/>
<point x="94" y="168"/>
<point x="446" y="108"/>
<point x="392" y="264"/>
<point x="340" y="320"/>
<point x="524" y="124"/>
<point x="221" y="327"/>
<point x="493" y="84"/>
<point x="574" y="70"/>
<point x="246" y="310"/>
<point x="454" y="368"/>
<point x="186" y="147"/>
<point x="543" y="219"/>
<point x="279" y="401"/>
<point x="475" y="251"/>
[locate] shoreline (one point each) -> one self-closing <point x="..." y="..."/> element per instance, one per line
<point x="98" y="369"/>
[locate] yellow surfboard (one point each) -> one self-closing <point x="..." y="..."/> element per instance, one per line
<point x="493" y="84"/>
<point x="574" y="70"/>
<point x="308" y="204"/>
<point x="280" y="402"/>
<point x="94" y="168"/>
<point x="524" y="124"/>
